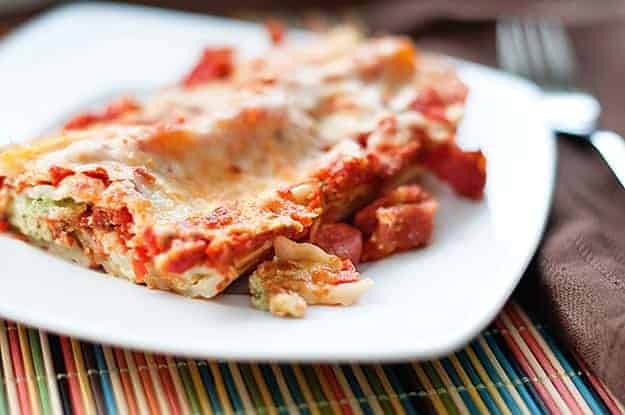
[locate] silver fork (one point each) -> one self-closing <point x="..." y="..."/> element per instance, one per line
<point x="540" y="50"/>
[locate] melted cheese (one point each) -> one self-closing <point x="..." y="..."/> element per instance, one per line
<point x="236" y="144"/>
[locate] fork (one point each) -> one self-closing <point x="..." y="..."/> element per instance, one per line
<point x="540" y="50"/>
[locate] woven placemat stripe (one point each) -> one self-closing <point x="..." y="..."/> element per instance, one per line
<point x="540" y="348"/>
<point x="283" y="391"/>
<point x="93" y="375"/>
<point x="4" y="406"/>
<point x="8" y="382"/>
<point x="546" y="367"/>
<point x="209" y="385"/>
<point x="36" y="350"/>
<point x="105" y="382"/>
<point x="608" y="399"/>
<point x="545" y="393"/>
<point x="498" y="387"/>
<point x="498" y="375"/>
<point x="29" y="371"/>
<point x="513" y="367"/>
<point x="116" y="383"/>
<point x="510" y="373"/>
<point x="19" y="369"/>
<point x="457" y="385"/>
<point x="268" y="388"/>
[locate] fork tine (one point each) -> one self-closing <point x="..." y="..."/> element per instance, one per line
<point x="536" y="53"/>
<point x="538" y="50"/>
<point x="505" y="47"/>
<point x="511" y="51"/>
<point x="559" y="53"/>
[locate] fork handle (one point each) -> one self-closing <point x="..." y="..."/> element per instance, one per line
<point x="611" y="146"/>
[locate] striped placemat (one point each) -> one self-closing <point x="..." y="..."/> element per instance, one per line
<point x="513" y="367"/>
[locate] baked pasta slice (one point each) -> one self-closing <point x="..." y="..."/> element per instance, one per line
<point x="189" y="190"/>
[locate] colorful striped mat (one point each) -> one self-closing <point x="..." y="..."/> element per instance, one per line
<point x="513" y="367"/>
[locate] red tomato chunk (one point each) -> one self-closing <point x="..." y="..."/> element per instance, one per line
<point x="465" y="171"/>
<point x="112" y="112"/>
<point x="215" y="63"/>
<point x="403" y="219"/>
<point x="57" y="174"/>
<point x="276" y="31"/>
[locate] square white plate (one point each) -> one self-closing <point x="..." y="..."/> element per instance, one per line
<point x="424" y="303"/>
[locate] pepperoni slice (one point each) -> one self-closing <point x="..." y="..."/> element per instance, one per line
<point x="339" y="239"/>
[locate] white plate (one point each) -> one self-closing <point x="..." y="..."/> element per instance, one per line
<point x="424" y="303"/>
